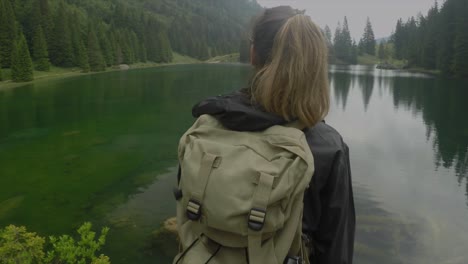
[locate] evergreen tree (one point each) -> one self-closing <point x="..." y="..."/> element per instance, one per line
<point x="143" y="57"/>
<point x="367" y="43"/>
<point x="7" y="32"/>
<point x="46" y="20"/>
<point x="40" y="54"/>
<point x="343" y="44"/>
<point x="353" y="59"/>
<point x="105" y="46"/>
<point x="382" y="53"/>
<point x="430" y="39"/>
<point x="95" y="57"/>
<point x="21" y="63"/>
<point x="60" y="45"/>
<point x="82" y="57"/>
<point x="398" y="38"/>
<point x="460" y="65"/>
<point x="244" y="49"/>
<point x="328" y="34"/>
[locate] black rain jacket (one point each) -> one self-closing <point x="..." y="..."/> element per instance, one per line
<point x="329" y="214"/>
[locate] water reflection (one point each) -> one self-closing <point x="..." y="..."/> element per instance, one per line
<point x="408" y="136"/>
<point x="440" y="103"/>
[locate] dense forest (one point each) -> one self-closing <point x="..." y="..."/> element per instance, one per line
<point x="95" y="34"/>
<point x="437" y="41"/>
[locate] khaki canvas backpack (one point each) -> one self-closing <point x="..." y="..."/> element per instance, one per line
<point x="241" y="194"/>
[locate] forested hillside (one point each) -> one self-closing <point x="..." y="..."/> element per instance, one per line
<point x="93" y="34"/>
<point x="437" y="41"/>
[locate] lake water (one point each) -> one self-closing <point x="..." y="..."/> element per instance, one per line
<point x="102" y="148"/>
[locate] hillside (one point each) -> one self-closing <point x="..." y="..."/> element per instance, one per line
<point x="93" y="34"/>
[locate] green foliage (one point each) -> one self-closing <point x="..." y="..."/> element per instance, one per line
<point x="126" y="31"/>
<point x="328" y="33"/>
<point x="21" y="63"/>
<point x="343" y="47"/>
<point x="40" y="54"/>
<point x="19" y="246"/>
<point x="460" y="65"/>
<point x="7" y="32"/>
<point x="60" y="45"/>
<point x="436" y="41"/>
<point x="382" y="51"/>
<point x="367" y="42"/>
<point x="95" y="57"/>
<point x="67" y="250"/>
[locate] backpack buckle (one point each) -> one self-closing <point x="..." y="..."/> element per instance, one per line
<point x="257" y="219"/>
<point x="193" y="210"/>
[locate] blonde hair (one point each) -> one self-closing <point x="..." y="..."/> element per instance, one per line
<point x="292" y="76"/>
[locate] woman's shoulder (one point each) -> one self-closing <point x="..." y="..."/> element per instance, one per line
<point x="325" y="137"/>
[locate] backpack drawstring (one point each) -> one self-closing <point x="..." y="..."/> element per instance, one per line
<point x="214" y="254"/>
<point x="187" y="249"/>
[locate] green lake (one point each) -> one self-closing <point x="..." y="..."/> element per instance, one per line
<point x="102" y="148"/>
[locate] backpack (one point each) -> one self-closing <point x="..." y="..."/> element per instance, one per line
<point x="240" y="195"/>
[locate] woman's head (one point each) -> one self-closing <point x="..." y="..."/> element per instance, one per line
<point x="291" y="57"/>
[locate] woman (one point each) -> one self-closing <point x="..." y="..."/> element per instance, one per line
<point x="289" y="54"/>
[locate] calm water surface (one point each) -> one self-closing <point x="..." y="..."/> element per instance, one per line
<point x="102" y="148"/>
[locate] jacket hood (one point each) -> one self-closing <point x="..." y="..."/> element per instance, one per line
<point x="236" y="112"/>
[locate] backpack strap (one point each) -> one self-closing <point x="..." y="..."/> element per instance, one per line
<point x="257" y="217"/>
<point x="209" y="161"/>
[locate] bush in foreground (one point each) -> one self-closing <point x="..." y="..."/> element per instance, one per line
<point x="17" y="245"/>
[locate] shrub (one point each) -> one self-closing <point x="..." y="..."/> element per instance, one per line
<point x="19" y="246"/>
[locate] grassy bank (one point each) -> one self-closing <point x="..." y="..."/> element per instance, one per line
<point x="228" y="58"/>
<point x="58" y="72"/>
<point x="424" y="71"/>
<point x="367" y="59"/>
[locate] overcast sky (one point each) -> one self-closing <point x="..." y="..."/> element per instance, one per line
<point x="382" y="13"/>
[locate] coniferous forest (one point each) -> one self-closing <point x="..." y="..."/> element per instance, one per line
<point x="95" y="34"/>
<point x="437" y="41"/>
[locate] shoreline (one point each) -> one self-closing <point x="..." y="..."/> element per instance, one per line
<point x="9" y="84"/>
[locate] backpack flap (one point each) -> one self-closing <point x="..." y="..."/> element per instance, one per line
<point x="242" y="190"/>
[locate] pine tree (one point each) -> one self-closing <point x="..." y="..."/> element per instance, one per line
<point x="7" y="32"/>
<point x="143" y="57"/>
<point x="40" y="54"/>
<point x="82" y="57"/>
<point x="460" y="65"/>
<point x="95" y="57"/>
<point x="328" y="34"/>
<point x="60" y="45"/>
<point x="398" y="39"/>
<point x="382" y="53"/>
<point x="430" y="39"/>
<point x="367" y="43"/>
<point x="46" y="20"/>
<point x="21" y="63"/>
<point x="343" y="44"/>
<point x="105" y="47"/>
